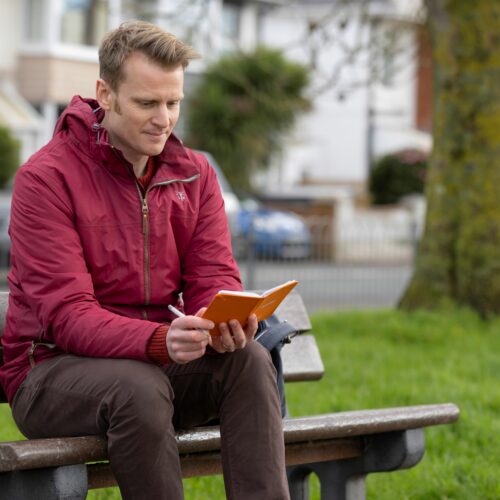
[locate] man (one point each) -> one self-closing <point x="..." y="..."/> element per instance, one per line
<point x="112" y="221"/>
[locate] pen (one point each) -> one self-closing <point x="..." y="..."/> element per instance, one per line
<point x="176" y="311"/>
<point x="180" y="314"/>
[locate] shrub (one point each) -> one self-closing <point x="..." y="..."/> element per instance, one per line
<point x="243" y="105"/>
<point x="9" y="156"/>
<point x="397" y="175"/>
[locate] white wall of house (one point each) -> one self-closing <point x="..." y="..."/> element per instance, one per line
<point x="15" y="112"/>
<point x="10" y="36"/>
<point x="334" y="141"/>
<point x="329" y="142"/>
<point x="393" y="102"/>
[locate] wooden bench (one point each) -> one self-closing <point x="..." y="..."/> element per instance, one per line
<point x="341" y="448"/>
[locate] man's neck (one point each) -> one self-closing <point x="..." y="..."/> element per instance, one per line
<point x="139" y="162"/>
<point x="140" y="166"/>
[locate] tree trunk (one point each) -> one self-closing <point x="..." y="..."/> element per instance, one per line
<point x="459" y="255"/>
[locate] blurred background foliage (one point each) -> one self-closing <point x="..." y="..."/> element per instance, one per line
<point x="9" y="156"/>
<point x="397" y="175"/>
<point x="241" y="108"/>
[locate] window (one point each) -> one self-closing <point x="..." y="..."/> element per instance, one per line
<point x="231" y="14"/>
<point x="34" y="20"/>
<point x="145" y="10"/>
<point x="84" y="22"/>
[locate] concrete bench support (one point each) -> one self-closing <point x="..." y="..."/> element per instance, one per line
<point x="346" y="479"/>
<point x="62" y="483"/>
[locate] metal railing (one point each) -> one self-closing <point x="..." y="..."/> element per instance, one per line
<point x="358" y="267"/>
<point x="361" y="266"/>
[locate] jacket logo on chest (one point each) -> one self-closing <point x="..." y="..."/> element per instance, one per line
<point x="181" y="195"/>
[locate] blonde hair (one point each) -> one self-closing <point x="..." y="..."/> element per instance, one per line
<point x="158" y="45"/>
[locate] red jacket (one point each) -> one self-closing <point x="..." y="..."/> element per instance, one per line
<point x="94" y="262"/>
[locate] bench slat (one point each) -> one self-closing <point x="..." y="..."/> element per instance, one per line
<point x="302" y="360"/>
<point x="293" y="310"/>
<point x="209" y="463"/>
<point x="19" y="455"/>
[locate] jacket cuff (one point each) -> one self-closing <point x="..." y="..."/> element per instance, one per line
<point x="157" y="346"/>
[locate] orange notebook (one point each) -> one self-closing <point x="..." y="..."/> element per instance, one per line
<point x="227" y="305"/>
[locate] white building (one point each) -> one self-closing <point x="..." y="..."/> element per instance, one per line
<point x="366" y="70"/>
<point x="48" y="53"/>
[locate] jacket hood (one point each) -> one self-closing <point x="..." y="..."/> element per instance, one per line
<point x="82" y="117"/>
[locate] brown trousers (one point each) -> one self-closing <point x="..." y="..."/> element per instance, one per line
<point x="137" y="406"/>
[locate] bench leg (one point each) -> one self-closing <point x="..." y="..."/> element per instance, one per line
<point x="345" y="479"/>
<point x="59" y="483"/>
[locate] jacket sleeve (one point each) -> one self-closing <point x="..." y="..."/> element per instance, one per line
<point x="48" y="259"/>
<point x="209" y="265"/>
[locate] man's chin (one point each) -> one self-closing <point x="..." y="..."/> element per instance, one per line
<point x="156" y="149"/>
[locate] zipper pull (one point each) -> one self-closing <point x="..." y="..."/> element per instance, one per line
<point x="144" y="216"/>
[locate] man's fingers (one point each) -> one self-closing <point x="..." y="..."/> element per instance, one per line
<point x="251" y="328"/>
<point x="183" y="357"/>
<point x="226" y="339"/>
<point x="191" y="323"/>
<point x="188" y="346"/>
<point x="239" y="338"/>
<point x="187" y="338"/>
<point x="232" y="336"/>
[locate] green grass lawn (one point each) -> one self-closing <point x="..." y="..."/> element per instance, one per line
<point x="390" y="358"/>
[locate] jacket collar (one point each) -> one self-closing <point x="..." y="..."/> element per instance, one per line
<point x="81" y="120"/>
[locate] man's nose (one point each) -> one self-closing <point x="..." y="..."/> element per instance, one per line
<point x="162" y="117"/>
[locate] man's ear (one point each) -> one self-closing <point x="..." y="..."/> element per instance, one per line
<point x="103" y="94"/>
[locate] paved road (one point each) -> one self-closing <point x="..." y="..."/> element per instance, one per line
<point x="326" y="286"/>
<point x="331" y="287"/>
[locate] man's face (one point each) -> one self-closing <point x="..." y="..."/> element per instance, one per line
<point x="142" y="112"/>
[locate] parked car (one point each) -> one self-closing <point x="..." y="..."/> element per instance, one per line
<point x="273" y="234"/>
<point x="231" y="201"/>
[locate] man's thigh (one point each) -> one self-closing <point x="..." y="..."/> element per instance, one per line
<point x="196" y="388"/>
<point x="201" y="386"/>
<point x="73" y="395"/>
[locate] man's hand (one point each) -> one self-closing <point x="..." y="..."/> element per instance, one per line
<point x="233" y="336"/>
<point x="188" y="337"/>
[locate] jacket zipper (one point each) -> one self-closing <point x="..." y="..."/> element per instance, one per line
<point x="145" y="231"/>
<point x="145" y="220"/>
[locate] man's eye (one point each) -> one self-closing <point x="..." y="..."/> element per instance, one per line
<point x="146" y="104"/>
<point x="173" y="104"/>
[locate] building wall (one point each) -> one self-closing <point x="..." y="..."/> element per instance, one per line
<point x="394" y="102"/>
<point x="10" y="36"/>
<point x="329" y="143"/>
<point x="336" y="141"/>
<point x="57" y="80"/>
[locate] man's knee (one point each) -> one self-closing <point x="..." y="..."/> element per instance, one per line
<point x="141" y="392"/>
<point x="253" y="364"/>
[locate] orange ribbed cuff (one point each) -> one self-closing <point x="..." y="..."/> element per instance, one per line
<point x="157" y="346"/>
